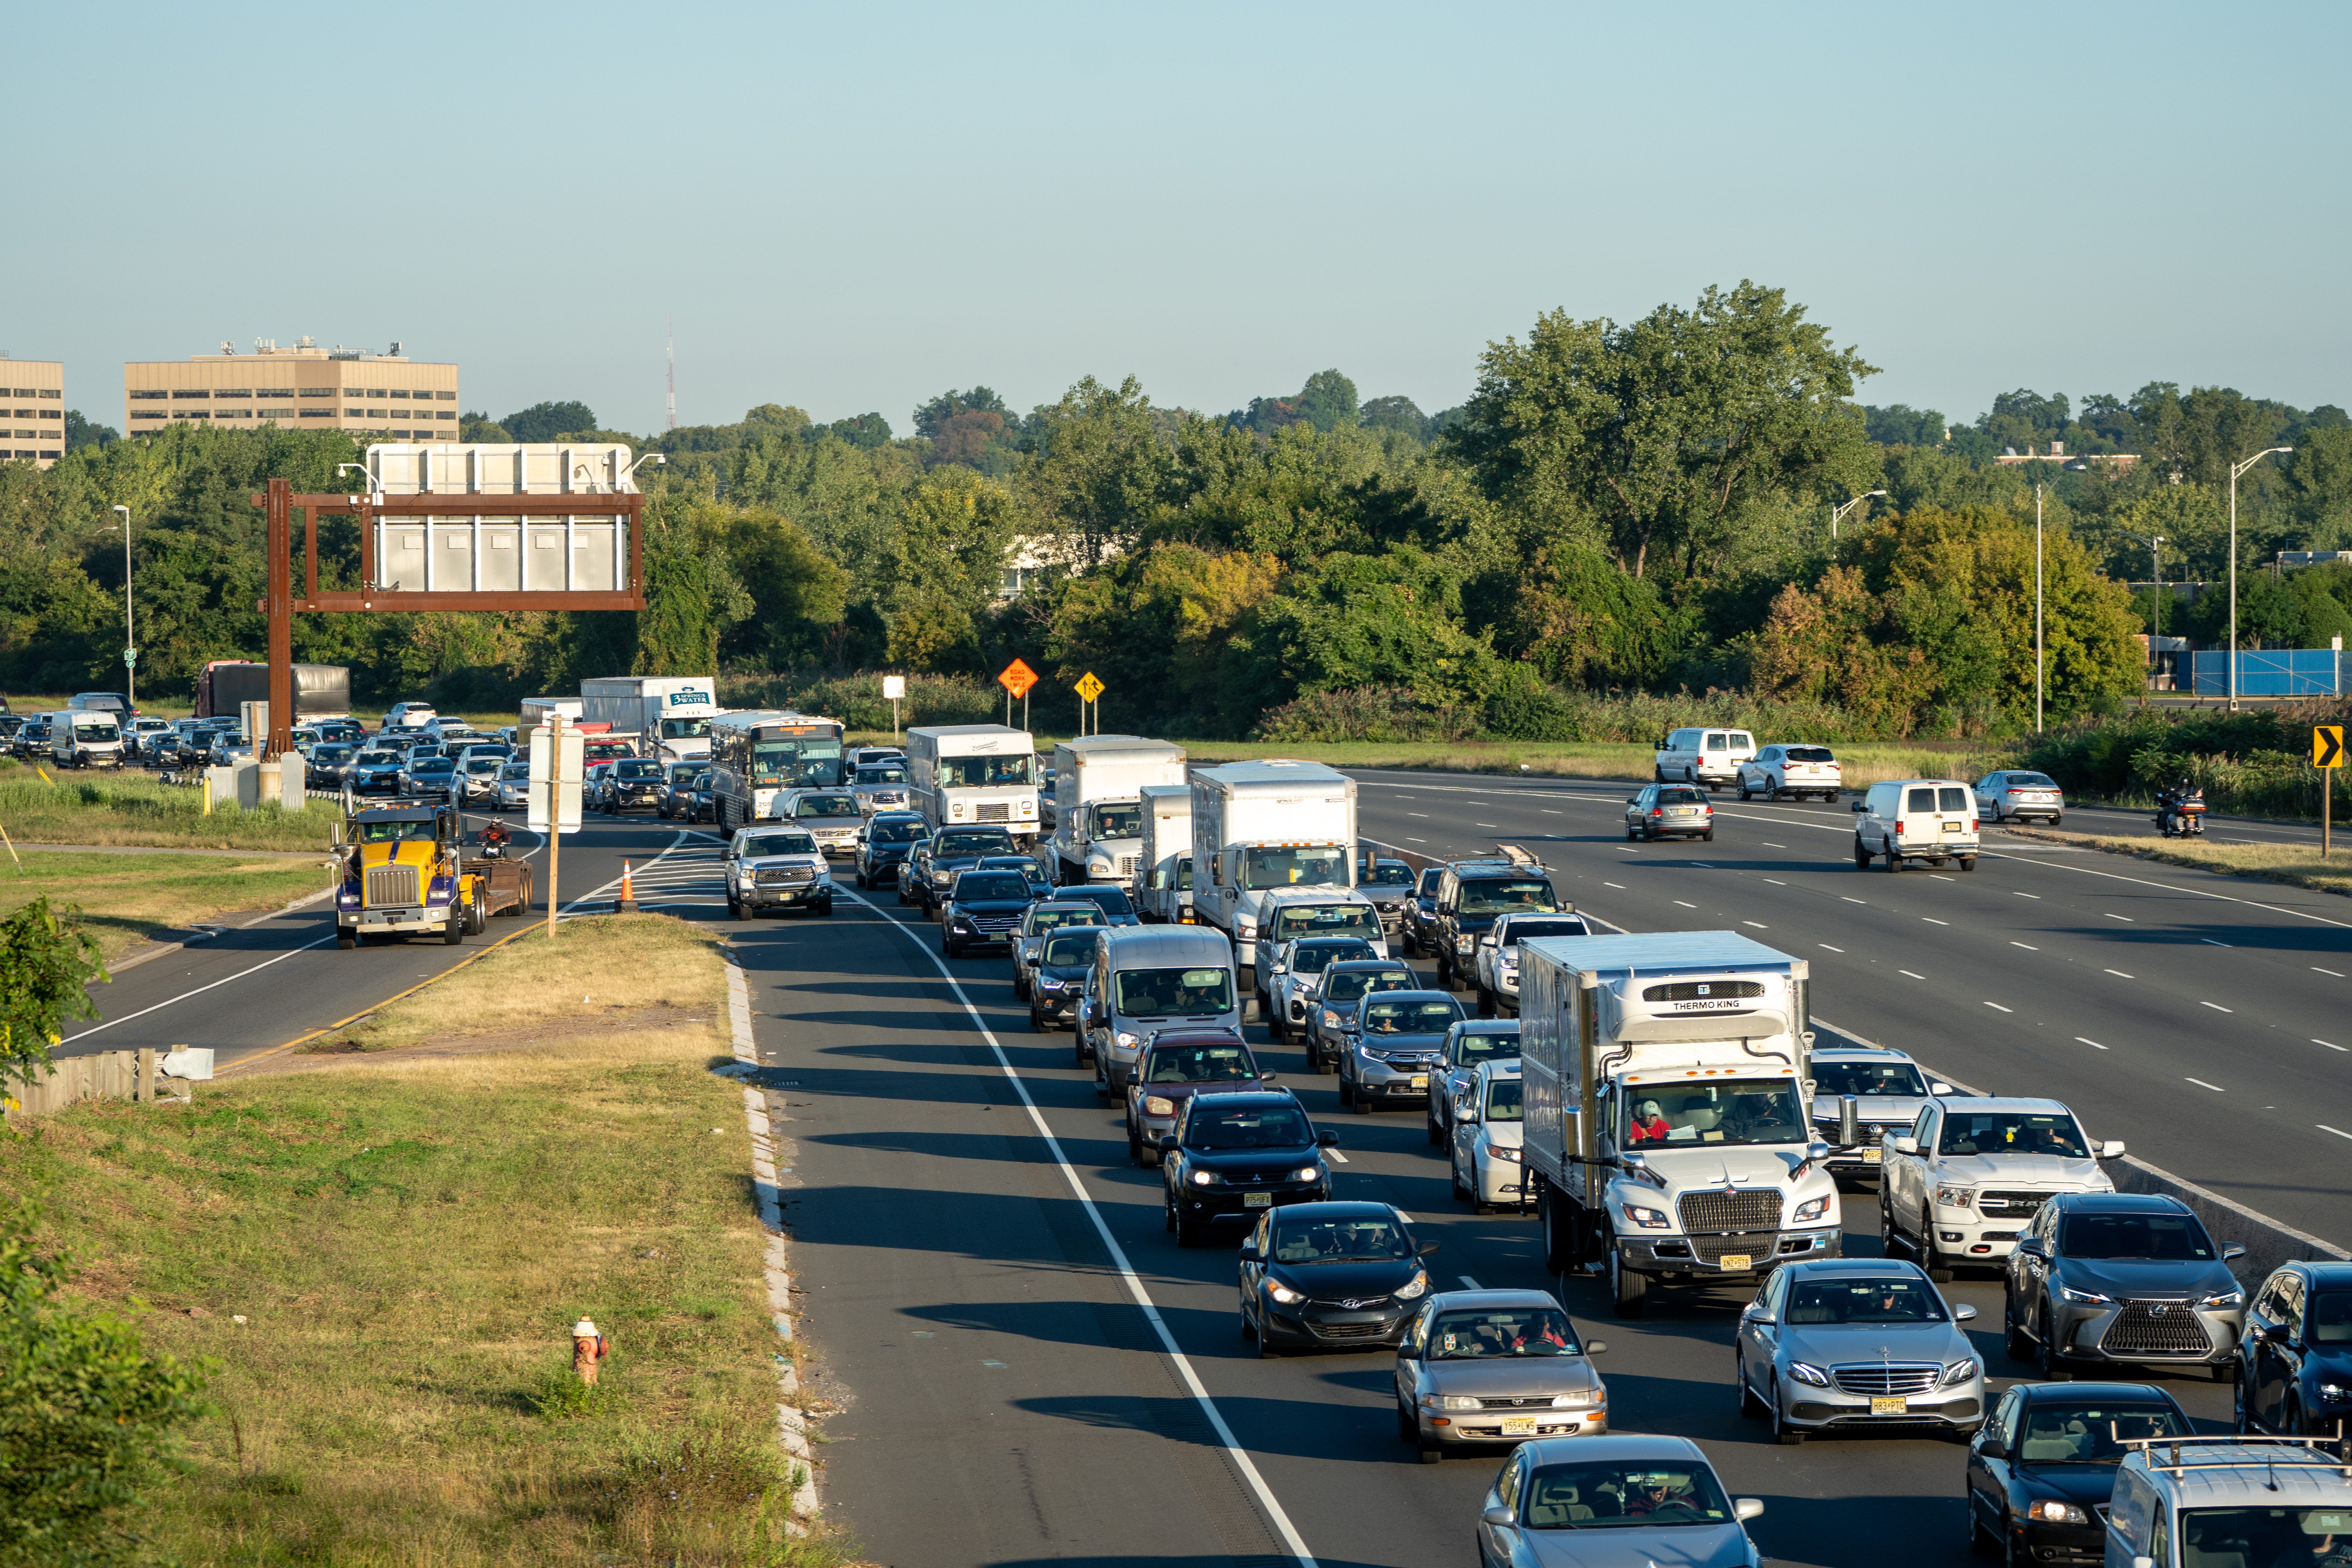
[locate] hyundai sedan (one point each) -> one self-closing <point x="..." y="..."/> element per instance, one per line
<point x="1322" y="1274"/>
<point x="2041" y="1472"/>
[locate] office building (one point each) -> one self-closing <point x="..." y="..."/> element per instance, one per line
<point x="33" y="414"/>
<point x="304" y="387"/>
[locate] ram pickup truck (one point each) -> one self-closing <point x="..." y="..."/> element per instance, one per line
<point x="1967" y="1180"/>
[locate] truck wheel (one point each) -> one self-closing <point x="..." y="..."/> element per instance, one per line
<point x="1861" y="855"/>
<point x="1627" y="1287"/>
<point x="346" y="940"/>
<point x="1894" y="858"/>
<point x="1968" y="862"/>
<point x="454" y="931"/>
<point x="478" y="919"/>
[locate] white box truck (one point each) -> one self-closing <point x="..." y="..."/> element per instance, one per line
<point x="1163" y="863"/>
<point x="1257" y="827"/>
<point x="964" y="774"/>
<point x="670" y="714"/>
<point x="1098" y="804"/>
<point x="539" y="710"/>
<point x="1668" y="1132"/>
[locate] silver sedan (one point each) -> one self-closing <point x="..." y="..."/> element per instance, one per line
<point x="1853" y="1343"/>
<point x="1495" y="1366"/>
<point x="2014" y="796"/>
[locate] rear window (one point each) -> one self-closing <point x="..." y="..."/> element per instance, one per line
<point x="1717" y="742"/>
<point x="1951" y="800"/>
<point x="2031" y="780"/>
<point x="1808" y="754"/>
<point x="1921" y="800"/>
<point x="1680" y="795"/>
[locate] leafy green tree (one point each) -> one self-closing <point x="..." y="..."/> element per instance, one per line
<point x="1900" y="425"/>
<point x="46" y="963"/>
<point x="81" y="432"/>
<point x="1396" y="413"/>
<point x="933" y="416"/>
<point x="549" y="421"/>
<point x="1327" y="401"/>
<point x="864" y="430"/>
<point x="1100" y="472"/>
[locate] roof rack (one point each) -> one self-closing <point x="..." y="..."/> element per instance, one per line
<point x="1519" y="856"/>
<point x="2315" y="1447"/>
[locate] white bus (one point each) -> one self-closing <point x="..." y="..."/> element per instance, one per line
<point x="964" y="774"/>
<point x="757" y="756"/>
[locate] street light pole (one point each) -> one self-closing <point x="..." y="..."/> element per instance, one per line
<point x="1839" y="511"/>
<point x="2155" y="542"/>
<point x="2037" y="610"/>
<point x="130" y="643"/>
<point x="2235" y="469"/>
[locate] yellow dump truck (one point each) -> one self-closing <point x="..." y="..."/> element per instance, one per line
<point x="405" y="872"/>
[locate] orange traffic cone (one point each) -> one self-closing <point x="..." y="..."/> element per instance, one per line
<point x="626" y="903"/>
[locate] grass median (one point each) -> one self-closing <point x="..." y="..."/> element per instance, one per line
<point x="125" y="899"/>
<point x="2294" y="865"/>
<point x="132" y="808"/>
<point x="384" y="1255"/>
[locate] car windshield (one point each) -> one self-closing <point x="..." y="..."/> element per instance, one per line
<point x="1881" y="1299"/>
<point x="637" y="770"/>
<point x="2031" y="780"/>
<point x="882" y="773"/>
<point x="1349" y="985"/>
<point x="682" y="772"/>
<point x="973" y="885"/>
<point x="515" y="773"/>
<point x="1319" y="865"/>
<point x="1600" y="1495"/>
<point x="978" y="773"/>
<point x="1756" y="1111"/>
<point x="1072" y="951"/>
<point x="1506" y="895"/>
<point x="2150" y="1237"/>
<point x="895" y="833"/>
<point x="1389" y="874"/>
<point x="435" y="766"/>
<point x="1211" y="1126"/>
<point x="1502" y="1331"/>
<point x="1371" y="1239"/>
<point x="379" y="758"/>
<point x="484" y="765"/>
<point x="2011" y="1132"/>
<point x="754" y="844"/>
<point x="2065" y="1433"/>
<point x="1292" y="920"/>
<point x="1111" y="900"/>
<point x="965" y="843"/>
<point x="1808" y="754"/>
<point x="685" y="728"/>
<point x="1432" y="1017"/>
<point x="334" y="753"/>
<point x="1201" y="1063"/>
<point x="1834" y="1078"/>
<point x="830" y="805"/>
<point x="1160" y="992"/>
<point x="2266" y="1537"/>
<point x="1518" y="931"/>
<point x="1474" y="1046"/>
<point x="1119" y="819"/>
<point x="1047" y="919"/>
<point x="1503" y="1100"/>
<point x="1314" y="957"/>
<point x="396" y="831"/>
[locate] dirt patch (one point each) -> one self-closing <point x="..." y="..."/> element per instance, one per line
<point x="346" y="1047"/>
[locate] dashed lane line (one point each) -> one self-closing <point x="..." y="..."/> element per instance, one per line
<point x="1998" y="1007"/>
<point x="2093" y="1043"/>
<point x="1913" y="976"/>
<point x="2200" y="1083"/>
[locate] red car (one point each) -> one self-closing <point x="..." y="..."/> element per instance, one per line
<point x="1176" y="1066"/>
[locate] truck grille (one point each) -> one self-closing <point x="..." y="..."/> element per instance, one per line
<point x="772" y="876"/>
<point x="1730" y="1211"/>
<point x="1900" y="1377"/>
<point x="2010" y="1205"/>
<point x="2156" y="1328"/>
<point x="1126" y="865"/>
<point x="391" y="886"/>
<point x="992" y="811"/>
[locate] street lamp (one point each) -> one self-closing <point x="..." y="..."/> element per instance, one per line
<point x="2155" y="542"/>
<point x="129" y="645"/>
<point x="2235" y="469"/>
<point x="1837" y="512"/>
<point x="661" y="460"/>
<point x="375" y="485"/>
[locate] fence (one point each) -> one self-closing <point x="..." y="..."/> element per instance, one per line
<point x="106" y="1075"/>
<point x="2271" y="672"/>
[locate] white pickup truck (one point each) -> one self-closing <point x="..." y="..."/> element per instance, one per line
<point x="1966" y="1182"/>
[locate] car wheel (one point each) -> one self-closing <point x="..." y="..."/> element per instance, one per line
<point x="1358" y="1104"/>
<point x="2047" y="1361"/>
<point x="1771" y="789"/>
<point x="1709" y="835"/>
<point x="2242" y="1415"/>
<point x="1453" y="1174"/>
<point x="859" y="878"/>
<point x="1788" y="1436"/>
<point x="1166" y="1211"/>
<point x="1981" y="1542"/>
<point x="454" y="931"/>
<point x="2012" y="1333"/>
<point x="1408" y="1428"/>
<point x="1861" y="855"/>
<point x="2291" y="1421"/>
<point x="1890" y="1235"/>
<point x="1134" y="1144"/>
<point x="1188" y="1234"/>
<point x="1894" y="858"/>
<point x="902" y="894"/>
<point x="1968" y="862"/>
<point x="1436" y="1135"/>
<point x="346" y="940"/>
<point x="1633" y="834"/>
<point x="1743" y="787"/>
<point x="1749" y="1405"/>
<point x="1627" y="1287"/>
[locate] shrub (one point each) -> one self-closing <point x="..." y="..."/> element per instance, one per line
<point x="858" y="700"/>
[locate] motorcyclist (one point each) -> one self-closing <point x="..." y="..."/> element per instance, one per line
<point x="495" y="838"/>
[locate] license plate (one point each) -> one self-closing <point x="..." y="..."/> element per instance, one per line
<point x="1871" y="1156"/>
<point x="1953" y="827"/>
<point x="787" y="898"/>
<point x="1682" y="811"/>
<point x="1420" y="1083"/>
<point x="1257" y="1200"/>
<point x="1519" y="1425"/>
<point x="1889" y="1404"/>
<point x="1736" y="1260"/>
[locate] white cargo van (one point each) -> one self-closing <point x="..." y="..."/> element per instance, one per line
<point x="86" y="738"/>
<point x="1917" y="819"/>
<point x="1099" y="784"/>
<point x="1704" y="756"/>
<point x="1163" y="862"/>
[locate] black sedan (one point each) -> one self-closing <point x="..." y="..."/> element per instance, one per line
<point x="934" y="866"/>
<point x="983" y="907"/>
<point x="2041" y="1469"/>
<point x="1343" y="1275"/>
<point x="1236" y="1154"/>
<point x="2295" y="1358"/>
<point x="883" y="849"/>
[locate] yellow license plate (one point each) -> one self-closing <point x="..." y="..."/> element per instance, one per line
<point x="1519" y="1427"/>
<point x="1422" y="1082"/>
<point x="1952" y="826"/>
<point x="1257" y="1200"/>
<point x="1871" y="1156"/>
<point x="1889" y="1404"/>
<point x="1736" y="1260"/>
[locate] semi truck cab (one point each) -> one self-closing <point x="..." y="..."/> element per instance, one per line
<point x="402" y="875"/>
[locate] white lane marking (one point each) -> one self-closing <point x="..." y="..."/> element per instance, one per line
<point x="1335" y="1155"/>
<point x="2120" y="973"/>
<point x="2211" y="943"/>
<point x="1937" y="877"/>
<point x="1850" y="900"/>
<point x="1416" y="841"/>
<point x="1934" y="921"/>
<point x="1759" y="925"/>
<point x="1548" y="812"/>
<point x="2337" y="1131"/>
<point x="2125" y="919"/>
<point x="1470" y="1284"/>
<point x="2319" y="970"/>
<point x="1770" y="845"/>
<point x="2026" y="945"/>
<point x="1628" y="851"/>
<point x="1485" y="825"/>
<point x="2036" y="897"/>
<point x="2217" y="1006"/>
<point x="1119" y="1263"/>
<point x="95" y="1028"/>
<point x="1999" y="1008"/>
<point x="2200" y="1083"/>
<point x="1913" y="976"/>
<point x="1823" y="945"/>
<point x="2331" y="1044"/>
<point x="1619" y="886"/>
<point x="1693" y="907"/>
<point x="1776" y="882"/>
<point x="2093" y="1043"/>
<point x="1423" y="814"/>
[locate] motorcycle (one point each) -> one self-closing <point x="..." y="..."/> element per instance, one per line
<point x="493" y="841"/>
<point x="2180" y="813"/>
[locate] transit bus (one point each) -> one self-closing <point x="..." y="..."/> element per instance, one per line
<point x="756" y="756"/>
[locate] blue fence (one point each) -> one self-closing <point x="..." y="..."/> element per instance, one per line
<point x="2271" y="672"/>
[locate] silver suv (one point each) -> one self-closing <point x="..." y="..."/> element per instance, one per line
<point x="831" y="816"/>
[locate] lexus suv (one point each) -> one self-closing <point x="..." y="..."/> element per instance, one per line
<point x="2122" y="1278"/>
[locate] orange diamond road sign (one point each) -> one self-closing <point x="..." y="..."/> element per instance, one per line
<point x="1017" y="678"/>
<point x="1088" y="687"/>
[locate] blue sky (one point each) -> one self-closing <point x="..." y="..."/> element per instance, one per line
<point x="852" y="208"/>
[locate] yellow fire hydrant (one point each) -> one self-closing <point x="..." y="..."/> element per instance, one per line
<point x="588" y="1348"/>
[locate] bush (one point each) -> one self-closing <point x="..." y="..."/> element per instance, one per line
<point x="2253" y="761"/>
<point x="858" y="700"/>
<point x="1536" y="712"/>
<point x="1365" y="713"/>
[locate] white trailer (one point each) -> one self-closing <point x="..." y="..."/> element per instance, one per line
<point x="1258" y="826"/>
<point x="1163" y="865"/>
<point x="965" y="774"/>
<point x="671" y="713"/>
<point x="1098" y="804"/>
<point x="538" y="711"/>
<point x="1668" y="1131"/>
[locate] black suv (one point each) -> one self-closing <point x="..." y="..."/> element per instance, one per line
<point x="2128" y="1278"/>
<point x="2295" y="1359"/>
<point x="1233" y="1154"/>
<point x="1421" y="912"/>
<point x="931" y="869"/>
<point x="636" y="782"/>
<point x="884" y="848"/>
<point x="984" y="906"/>
<point x="1471" y="896"/>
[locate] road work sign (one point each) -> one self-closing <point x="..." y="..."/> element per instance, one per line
<point x="1017" y="678"/>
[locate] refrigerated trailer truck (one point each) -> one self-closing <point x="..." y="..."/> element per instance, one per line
<point x="1668" y="1128"/>
<point x="1098" y="804"/>
<point x="1259" y="827"/>
<point x="226" y="685"/>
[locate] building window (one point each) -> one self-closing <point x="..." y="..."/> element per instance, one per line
<point x="446" y="414"/>
<point x="266" y="392"/>
<point x="193" y="414"/>
<point x="376" y="392"/>
<point x="444" y="397"/>
<point x="56" y="394"/>
<point x="53" y="413"/>
<point x="318" y="414"/>
<point x="148" y="413"/>
<point x="178" y="396"/>
<point x="396" y="392"/>
<point x="219" y="392"/>
<point x="318" y="392"/>
<point x="143" y="396"/>
<point x="385" y="414"/>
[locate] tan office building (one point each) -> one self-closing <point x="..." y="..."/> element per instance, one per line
<point x="304" y="387"/>
<point x="32" y="410"/>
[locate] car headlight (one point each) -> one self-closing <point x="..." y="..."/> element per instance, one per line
<point x="1206" y="1178"/>
<point x="1805" y="1372"/>
<point x="1961" y="1370"/>
<point x="1246" y="931"/>
<point x="2334" y="1393"/>
<point x="1950" y="1196"/>
<point x="1647" y="1218"/>
<point x="1812" y="1208"/>
<point x="2050" y="1510"/>
<point x="1307" y="1173"/>
<point x="1124" y="1040"/>
<point x="2087" y="1298"/>
<point x="1464" y="943"/>
<point x="1159" y="1105"/>
<point x="1449" y="1402"/>
<point x="2224" y="1298"/>
<point x="1509" y="1156"/>
<point x="348" y="896"/>
<point x="1330" y="1019"/>
<point x="1051" y="984"/>
<point x="1282" y="1293"/>
<point x="1573" y="1400"/>
<point x="1417" y="1288"/>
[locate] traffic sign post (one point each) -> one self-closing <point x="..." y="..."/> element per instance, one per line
<point x="556" y="753"/>
<point x="894" y="687"/>
<point x="1090" y="691"/>
<point x="1016" y="679"/>
<point x="2327" y="755"/>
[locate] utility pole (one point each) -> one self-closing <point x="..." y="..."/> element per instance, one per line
<point x="2235" y="469"/>
<point x="130" y="643"/>
<point x="1838" y="511"/>
<point x="2037" y="611"/>
<point x="2155" y="542"/>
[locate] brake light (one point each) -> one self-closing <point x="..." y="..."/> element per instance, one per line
<point x="1898" y="824"/>
<point x="1655" y="811"/>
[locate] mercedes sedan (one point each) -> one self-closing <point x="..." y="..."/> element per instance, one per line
<point x="1854" y="1342"/>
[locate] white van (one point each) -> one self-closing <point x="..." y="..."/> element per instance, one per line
<point x="1917" y="819"/>
<point x="1711" y="757"/>
<point x="1149" y="978"/>
<point x="85" y="738"/>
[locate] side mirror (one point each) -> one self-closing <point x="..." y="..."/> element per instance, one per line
<point x="1425" y="1248"/>
<point x="1941" y="1088"/>
<point x="1964" y="1314"/>
<point x="1327" y="1139"/>
<point x="1904" y="1143"/>
<point x="1405" y="1351"/>
<point x="1992" y="1448"/>
<point x="1266" y="1077"/>
<point x="1632" y="800"/>
<point x="1167" y="1144"/>
<point x="1596" y="1347"/>
<point x="1504" y="1519"/>
<point x="1248" y="1253"/>
<point x="1858" y="806"/>
<point x="2113" y="1149"/>
<point x="2231" y="1254"/>
<point x="1816" y="1152"/>
<point x="1760" y="1315"/>
<point x="1746" y="1508"/>
<point x="2033" y="1247"/>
